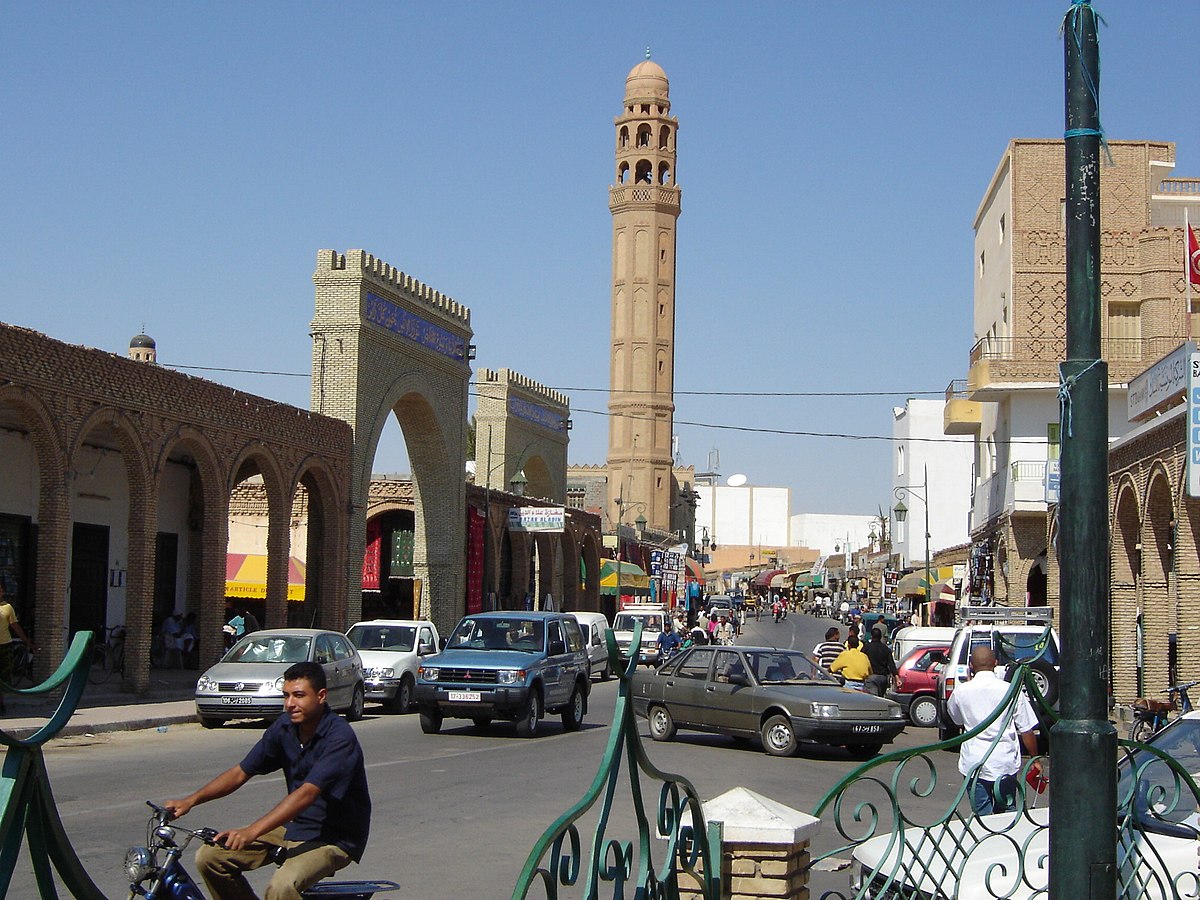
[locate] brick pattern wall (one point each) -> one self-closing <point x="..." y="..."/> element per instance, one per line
<point x="64" y="395"/>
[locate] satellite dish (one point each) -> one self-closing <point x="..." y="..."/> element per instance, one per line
<point x="736" y="480"/>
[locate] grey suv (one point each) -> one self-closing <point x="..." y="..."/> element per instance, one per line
<point x="516" y="666"/>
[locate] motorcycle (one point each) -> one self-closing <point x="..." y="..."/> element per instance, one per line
<point x="156" y="872"/>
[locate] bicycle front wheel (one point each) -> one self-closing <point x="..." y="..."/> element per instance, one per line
<point x="1141" y="731"/>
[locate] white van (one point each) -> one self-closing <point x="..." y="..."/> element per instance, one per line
<point x="593" y="625"/>
<point x="906" y="640"/>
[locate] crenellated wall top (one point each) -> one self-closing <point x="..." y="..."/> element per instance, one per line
<point x="506" y="379"/>
<point x="360" y="264"/>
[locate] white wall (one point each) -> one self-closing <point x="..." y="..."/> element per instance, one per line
<point x="745" y="516"/>
<point x="917" y="429"/>
<point x="821" y="531"/>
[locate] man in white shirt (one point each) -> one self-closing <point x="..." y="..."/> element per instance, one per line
<point x="993" y="757"/>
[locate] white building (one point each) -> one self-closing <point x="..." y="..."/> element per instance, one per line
<point x="829" y="533"/>
<point x="929" y="466"/>
<point x="746" y="516"/>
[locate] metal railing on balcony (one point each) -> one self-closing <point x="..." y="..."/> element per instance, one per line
<point x="957" y="390"/>
<point x="1054" y="349"/>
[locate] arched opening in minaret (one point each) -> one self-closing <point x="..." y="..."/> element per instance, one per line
<point x="643" y="136"/>
<point x="623" y="173"/>
<point x="664" y="137"/>
<point x="645" y="172"/>
<point x="624" y="136"/>
<point x="664" y="173"/>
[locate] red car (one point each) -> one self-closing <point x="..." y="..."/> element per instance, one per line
<point x="917" y="692"/>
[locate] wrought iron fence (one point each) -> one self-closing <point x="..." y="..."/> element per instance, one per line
<point x="901" y="853"/>
<point x="626" y="867"/>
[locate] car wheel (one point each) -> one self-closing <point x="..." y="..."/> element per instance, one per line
<point x="572" y="714"/>
<point x="864" y="751"/>
<point x="778" y="736"/>
<point x="357" y="703"/>
<point x="482" y="721"/>
<point x="402" y="702"/>
<point x="923" y="711"/>
<point x="1046" y="679"/>
<point x="431" y="721"/>
<point x="606" y="672"/>
<point x="531" y="716"/>
<point x="210" y="722"/>
<point x="662" y="726"/>
<point x="949" y="731"/>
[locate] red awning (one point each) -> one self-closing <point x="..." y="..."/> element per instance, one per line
<point x="693" y="571"/>
<point x="763" y="579"/>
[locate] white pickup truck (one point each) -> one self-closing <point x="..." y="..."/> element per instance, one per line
<point x="652" y="616"/>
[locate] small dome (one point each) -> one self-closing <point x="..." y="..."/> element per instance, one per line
<point x="142" y="341"/>
<point x="647" y="81"/>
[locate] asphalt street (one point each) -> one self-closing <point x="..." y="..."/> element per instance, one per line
<point x="455" y="814"/>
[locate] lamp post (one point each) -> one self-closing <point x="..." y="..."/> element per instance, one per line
<point x="623" y="506"/>
<point x="902" y="512"/>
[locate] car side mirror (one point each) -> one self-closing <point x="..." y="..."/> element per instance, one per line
<point x="741" y="680"/>
<point x="425" y="649"/>
<point x="557" y="648"/>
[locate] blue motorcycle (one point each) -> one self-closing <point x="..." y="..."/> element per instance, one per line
<point x="157" y="873"/>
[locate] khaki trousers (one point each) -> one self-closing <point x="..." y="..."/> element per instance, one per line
<point x="307" y="863"/>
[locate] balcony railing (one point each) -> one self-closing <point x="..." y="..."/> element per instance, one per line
<point x="1179" y="186"/>
<point x="1019" y="488"/>
<point x="957" y="390"/>
<point x="1053" y="349"/>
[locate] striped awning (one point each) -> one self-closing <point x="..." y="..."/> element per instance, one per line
<point x="246" y="576"/>
<point x="633" y="579"/>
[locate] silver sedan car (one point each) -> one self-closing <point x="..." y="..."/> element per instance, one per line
<point x="248" y="682"/>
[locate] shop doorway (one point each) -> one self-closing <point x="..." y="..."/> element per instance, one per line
<point x="89" y="579"/>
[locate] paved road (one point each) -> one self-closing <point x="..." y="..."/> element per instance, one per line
<point x="455" y="813"/>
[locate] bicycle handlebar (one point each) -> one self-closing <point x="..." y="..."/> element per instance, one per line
<point x="1178" y="687"/>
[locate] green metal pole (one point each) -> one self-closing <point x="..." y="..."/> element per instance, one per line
<point x="1083" y="745"/>
<point x="925" y="498"/>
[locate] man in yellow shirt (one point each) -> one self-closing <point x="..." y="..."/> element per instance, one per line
<point x="10" y="632"/>
<point x="853" y="664"/>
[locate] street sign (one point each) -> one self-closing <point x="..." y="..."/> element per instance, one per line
<point x="1053" y="480"/>
<point x="1192" y="471"/>
<point x="537" y="518"/>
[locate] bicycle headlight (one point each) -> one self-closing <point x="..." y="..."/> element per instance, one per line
<point x="139" y="864"/>
<point x="428" y="673"/>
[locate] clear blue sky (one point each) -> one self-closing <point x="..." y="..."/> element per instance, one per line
<point x="179" y="165"/>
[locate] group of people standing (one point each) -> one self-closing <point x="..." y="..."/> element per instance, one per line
<point x="866" y="667"/>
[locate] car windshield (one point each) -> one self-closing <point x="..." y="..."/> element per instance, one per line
<point x="786" y="667"/>
<point x="1171" y="796"/>
<point x="384" y="637"/>
<point x="268" y="648"/>
<point x="627" y="621"/>
<point x="508" y="633"/>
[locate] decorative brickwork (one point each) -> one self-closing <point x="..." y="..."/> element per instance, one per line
<point x="71" y="401"/>
<point x="521" y="426"/>
<point x="385" y="344"/>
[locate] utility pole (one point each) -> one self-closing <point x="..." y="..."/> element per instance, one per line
<point x="1083" y="745"/>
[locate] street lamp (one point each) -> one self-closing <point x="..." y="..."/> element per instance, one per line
<point x="902" y="512"/>
<point x="624" y="506"/>
<point x="518" y="483"/>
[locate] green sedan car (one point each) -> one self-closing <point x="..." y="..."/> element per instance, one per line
<point x="779" y="696"/>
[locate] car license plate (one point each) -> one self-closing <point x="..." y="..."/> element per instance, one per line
<point x="864" y="729"/>
<point x="237" y="701"/>
<point x="463" y="696"/>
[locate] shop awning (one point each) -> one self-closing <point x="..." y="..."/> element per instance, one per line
<point x="913" y="584"/>
<point x="780" y="581"/>
<point x="763" y="579"/>
<point x="633" y="580"/>
<point x="246" y="576"/>
<point x="693" y="571"/>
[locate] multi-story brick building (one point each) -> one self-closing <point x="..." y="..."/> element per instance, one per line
<point x="1009" y="403"/>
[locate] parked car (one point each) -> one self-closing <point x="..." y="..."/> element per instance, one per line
<point x="779" y="696"/>
<point x="916" y="691"/>
<point x="908" y="639"/>
<point x="248" y="681"/>
<point x="593" y="625"/>
<point x="391" y="650"/>
<point x="1016" y="635"/>
<point x="516" y="666"/>
<point x="1004" y="854"/>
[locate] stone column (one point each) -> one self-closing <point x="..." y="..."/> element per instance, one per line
<point x="764" y="848"/>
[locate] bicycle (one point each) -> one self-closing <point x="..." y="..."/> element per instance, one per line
<point x="22" y="670"/>
<point x="1151" y="716"/>
<point x="109" y="656"/>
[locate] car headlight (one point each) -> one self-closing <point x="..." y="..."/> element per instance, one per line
<point x="511" y="676"/>
<point x="896" y="712"/>
<point x="381" y="672"/>
<point x="429" y="674"/>
<point x="279" y="684"/>
<point x="205" y="685"/>
<point x="139" y="864"/>
<point x="826" y="710"/>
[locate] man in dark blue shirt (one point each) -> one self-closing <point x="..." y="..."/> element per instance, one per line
<point x="325" y="817"/>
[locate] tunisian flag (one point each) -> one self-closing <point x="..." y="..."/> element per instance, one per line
<point x="1193" y="257"/>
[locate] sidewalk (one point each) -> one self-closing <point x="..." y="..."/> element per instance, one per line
<point x="106" y="707"/>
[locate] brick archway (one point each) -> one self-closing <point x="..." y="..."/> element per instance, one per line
<point x="385" y="344"/>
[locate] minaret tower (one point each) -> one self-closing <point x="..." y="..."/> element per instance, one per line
<point x="645" y="206"/>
